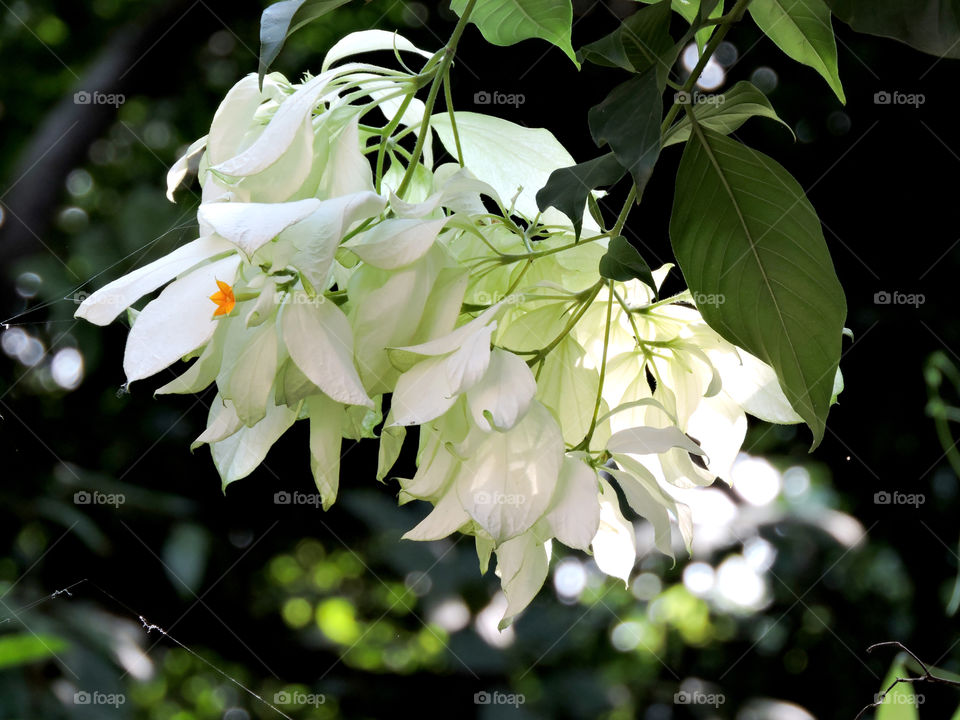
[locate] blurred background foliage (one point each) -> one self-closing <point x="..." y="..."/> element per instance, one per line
<point x="328" y="614"/>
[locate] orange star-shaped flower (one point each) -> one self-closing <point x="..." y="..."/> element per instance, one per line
<point x="224" y="299"/>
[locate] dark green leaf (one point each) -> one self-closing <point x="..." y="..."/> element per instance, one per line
<point x="507" y="22"/>
<point x="622" y="262"/>
<point x="802" y="29"/>
<point x="642" y="41"/>
<point x="932" y="26"/>
<point x="725" y="113"/>
<point x="567" y="188"/>
<point x="628" y="120"/>
<point x="743" y="230"/>
<point x="284" y="18"/>
<point x="694" y="11"/>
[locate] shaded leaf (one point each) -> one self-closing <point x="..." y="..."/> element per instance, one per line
<point x="284" y="18"/>
<point x="622" y="262"/>
<point x="743" y="230"/>
<point x="932" y="26"/>
<point x="567" y="188"/>
<point x="507" y="22"/>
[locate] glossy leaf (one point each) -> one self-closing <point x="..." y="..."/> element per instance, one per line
<point x="802" y="29"/>
<point x="284" y="18"/>
<point x="743" y="230"/>
<point x="507" y="22"/>
<point x="932" y="26"/>
<point x="622" y="262"/>
<point x="628" y="120"/>
<point x="725" y="113"/>
<point x="568" y="188"/>
<point x="642" y="41"/>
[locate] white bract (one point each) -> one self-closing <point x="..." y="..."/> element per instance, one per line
<point x="332" y="270"/>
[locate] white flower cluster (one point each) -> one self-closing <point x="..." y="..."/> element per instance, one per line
<point x="314" y="292"/>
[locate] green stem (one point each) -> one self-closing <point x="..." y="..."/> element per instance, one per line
<point x="585" y="443"/>
<point x="624" y="212"/>
<point x="385" y="139"/>
<point x="448" y="52"/>
<point x="724" y="26"/>
<point x="448" y="98"/>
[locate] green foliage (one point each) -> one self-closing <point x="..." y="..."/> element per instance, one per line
<point x="567" y="188"/>
<point x="284" y="18"/>
<point x="743" y="231"/>
<point x="506" y="22"/>
<point x="622" y="262"/>
<point x="928" y="25"/>
<point x="801" y="28"/>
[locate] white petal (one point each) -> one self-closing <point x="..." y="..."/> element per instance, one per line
<point x="507" y="483"/>
<point x="615" y="545"/>
<point x="647" y="500"/>
<point x="178" y="171"/>
<point x="574" y="517"/>
<point x="317" y="237"/>
<point x="347" y="168"/>
<point x="282" y="129"/>
<point x="396" y="242"/>
<point x="505" y="391"/>
<point x="178" y="322"/>
<point x="251" y="225"/>
<point x="447" y="517"/>
<point x="318" y="337"/>
<point x="239" y="455"/>
<point x="455" y="339"/>
<point x="366" y="41"/>
<point x="222" y="422"/>
<point x="422" y="393"/>
<point x="199" y="375"/>
<point x="650" y="440"/>
<point x="467" y="364"/>
<point x="522" y="564"/>
<point x="103" y="306"/>
<point x="326" y="417"/>
<point x="721" y="426"/>
<point x="233" y="118"/>
<point x="250" y="382"/>
<point x="505" y="154"/>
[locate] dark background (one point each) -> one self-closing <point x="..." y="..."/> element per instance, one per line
<point x="883" y="179"/>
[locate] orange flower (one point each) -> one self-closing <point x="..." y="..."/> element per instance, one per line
<point x="224" y="299"/>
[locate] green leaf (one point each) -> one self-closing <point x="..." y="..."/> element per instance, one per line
<point x="567" y="188"/>
<point x="802" y="29"/>
<point x="642" y="41"/>
<point x="932" y="26"/>
<point x="622" y="262"/>
<point x="742" y="229"/>
<point x="900" y="703"/>
<point x="280" y="20"/>
<point x="725" y="113"/>
<point x="690" y="10"/>
<point x="507" y="22"/>
<point x="628" y="120"/>
<point x="21" y="649"/>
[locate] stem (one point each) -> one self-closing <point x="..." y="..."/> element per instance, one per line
<point x="725" y="23"/>
<point x="448" y="98"/>
<point x="591" y="294"/>
<point x="585" y="443"/>
<point x="624" y="212"/>
<point x="448" y="52"/>
<point x="387" y="132"/>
